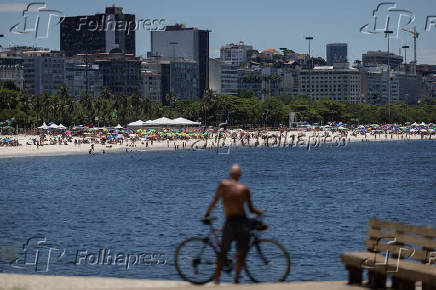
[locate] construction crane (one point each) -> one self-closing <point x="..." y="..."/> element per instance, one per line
<point x="415" y="37"/>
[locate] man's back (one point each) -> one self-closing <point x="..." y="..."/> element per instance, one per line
<point x="234" y="195"/>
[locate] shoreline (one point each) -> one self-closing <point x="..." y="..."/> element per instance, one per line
<point x="24" y="151"/>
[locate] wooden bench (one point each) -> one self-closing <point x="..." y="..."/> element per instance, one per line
<point x="405" y="253"/>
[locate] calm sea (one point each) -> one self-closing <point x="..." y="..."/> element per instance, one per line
<point x="317" y="203"/>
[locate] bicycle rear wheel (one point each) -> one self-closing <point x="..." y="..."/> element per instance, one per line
<point x="267" y="261"/>
<point x="195" y="260"/>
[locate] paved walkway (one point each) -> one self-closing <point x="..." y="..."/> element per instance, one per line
<point x="42" y="282"/>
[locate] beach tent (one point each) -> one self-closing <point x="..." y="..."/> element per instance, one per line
<point x="119" y="126"/>
<point x="62" y="127"/>
<point x="415" y="124"/>
<point x="53" y="126"/>
<point x="44" y="126"/>
<point x="138" y="123"/>
<point x="423" y="124"/>
<point x="183" y="121"/>
<point x="163" y="122"/>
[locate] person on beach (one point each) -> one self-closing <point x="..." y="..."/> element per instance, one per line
<point x="234" y="196"/>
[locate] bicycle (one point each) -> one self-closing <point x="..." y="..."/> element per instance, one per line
<point x="201" y="256"/>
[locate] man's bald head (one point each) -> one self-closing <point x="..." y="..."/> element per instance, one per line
<point x="235" y="172"/>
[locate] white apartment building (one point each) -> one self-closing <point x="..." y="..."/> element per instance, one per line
<point x="334" y="84"/>
<point x="44" y="71"/>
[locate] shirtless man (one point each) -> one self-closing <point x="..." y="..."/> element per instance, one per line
<point x="234" y="196"/>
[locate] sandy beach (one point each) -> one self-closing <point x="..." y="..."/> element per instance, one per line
<point x="292" y="139"/>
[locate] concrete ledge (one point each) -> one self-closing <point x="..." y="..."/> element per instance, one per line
<point x="42" y="282"/>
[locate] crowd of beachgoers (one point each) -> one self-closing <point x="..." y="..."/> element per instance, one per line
<point x="57" y="139"/>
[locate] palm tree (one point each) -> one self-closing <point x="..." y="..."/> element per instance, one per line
<point x="171" y="98"/>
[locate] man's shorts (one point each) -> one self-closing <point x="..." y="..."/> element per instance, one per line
<point x="236" y="229"/>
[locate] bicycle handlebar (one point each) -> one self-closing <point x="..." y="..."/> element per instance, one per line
<point x="208" y="220"/>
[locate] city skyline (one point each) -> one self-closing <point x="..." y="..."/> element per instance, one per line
<point x="278" y="20"/>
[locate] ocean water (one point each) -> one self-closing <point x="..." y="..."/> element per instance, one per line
<point x="317" y="204"/>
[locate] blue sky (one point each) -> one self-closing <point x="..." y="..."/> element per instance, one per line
<point x="263" y="24"/>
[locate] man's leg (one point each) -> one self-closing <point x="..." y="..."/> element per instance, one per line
<point x="241" y="255"/>
<point x="226" y="243"/>
<point x="219" y="266"/>
<point x="242" y="246"/>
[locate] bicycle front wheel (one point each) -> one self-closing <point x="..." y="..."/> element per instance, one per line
<point x="195" y="260"/>
<point x="267" y="261"/>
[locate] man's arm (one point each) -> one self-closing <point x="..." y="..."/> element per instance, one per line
<point x="250" y="204"/>
<point x="215" y="200"/>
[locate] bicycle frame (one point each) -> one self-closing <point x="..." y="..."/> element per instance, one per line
<point x="258" y="250"/>
<point x="214" y="240"/>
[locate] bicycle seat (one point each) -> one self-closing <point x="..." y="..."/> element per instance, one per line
<point x="208" y="220"/>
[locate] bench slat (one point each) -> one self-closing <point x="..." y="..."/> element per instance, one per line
<point x="402" y="238"/>
<point x="396" y="226"/>
<point x="395" y="250"/>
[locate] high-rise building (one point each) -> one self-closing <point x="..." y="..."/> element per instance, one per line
<point x="409" y="89"/>
<point x="180" y="77"/>
<point x="337" y="53"/>
<point x="235" y="53"/>
<point x="427" y="76"/>
<point x="215" y="67"/>
<point x="34" y="69"/>
<point x="43" y="71"/>
<point x="179" y="41"/>
<point x="334" y="84"/>
<point x="290" y="82"/>
<point x="374" y="58"/>
<point x="229" y="79"/>
<point x="151" y="80"/>
<point x="376" y="85"/>
<point x="11" y="70"/>
<point x="121" y="72"/>
<point x="98" y="33"/>
<point x="83" y="77"/>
